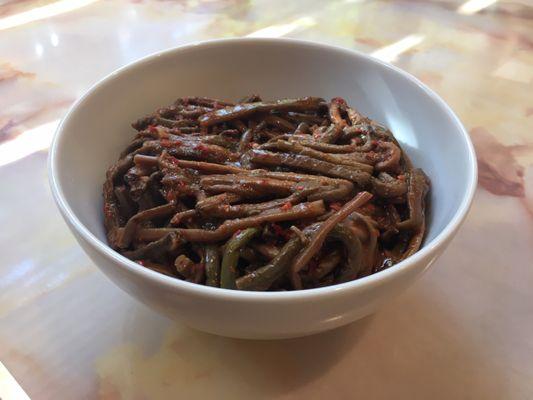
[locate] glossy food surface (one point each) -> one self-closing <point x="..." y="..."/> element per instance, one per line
<point x="67" y="332"/>
<point x="261" y="195"/>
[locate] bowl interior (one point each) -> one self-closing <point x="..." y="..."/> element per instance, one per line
<point x="98" y="126"/>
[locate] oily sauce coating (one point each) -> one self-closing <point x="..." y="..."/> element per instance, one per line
<point x="264" y="195"/>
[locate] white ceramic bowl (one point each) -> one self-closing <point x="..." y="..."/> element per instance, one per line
<point x="97" y="128"/>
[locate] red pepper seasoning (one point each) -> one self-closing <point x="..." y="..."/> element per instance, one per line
<point x="368" y="209"/>
<point x="173" y="160"/>
<point x="108" y="210"/>
<point x="370" y="156"/>
<point x="170" y="196"/>
<point x="202" y="148"/>
<point x="335" y="206"/>
<point x="339" y="100"/>
<point x="279" y="231"/>
<point x="287" y="206"/>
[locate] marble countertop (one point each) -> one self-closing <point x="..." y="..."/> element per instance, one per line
<point x="463" y="331"/>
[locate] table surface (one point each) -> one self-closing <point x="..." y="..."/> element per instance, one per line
<point x="463" y="331"/>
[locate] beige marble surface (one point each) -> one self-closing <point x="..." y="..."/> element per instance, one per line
<point x="461" y="332"/>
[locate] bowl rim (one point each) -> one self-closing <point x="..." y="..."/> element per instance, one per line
<point x="378" y="278"/>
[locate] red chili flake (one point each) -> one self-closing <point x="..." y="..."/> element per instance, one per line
<point x="339" y="100"/>
<point x="108" y="210"/>
<point x="370" y="156"/>
<point x="237" y="232"/>
<point x="170" y="196"/>
<point x="300" y="187"/>
<point x="202" y="148"/>
<point x="279" y="231"/>
<point x="173" y="160"/>
<point x="335" y="206"/>
<point x="368" y="208"/>
<point x="401" y="177"/>
<point x="374" y="142"/>
<point x="152" y="129"/>
<point x="287" y="206"/>
<point x="140" y="262"/>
